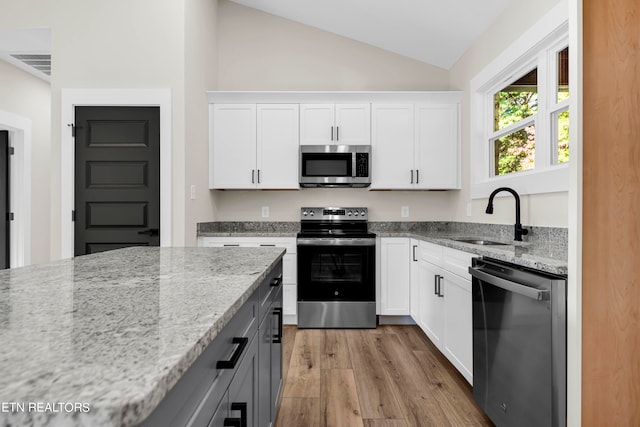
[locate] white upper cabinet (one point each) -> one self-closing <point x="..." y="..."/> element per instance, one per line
<point x="253" y="146"/>
<point x="335" y="124"/>
<point x="232" y="146"/>
<point x="415" y="146"/>
<point x="277" y="146"/>
<point x="392" y="146"/>
<point x="437" y="146"/>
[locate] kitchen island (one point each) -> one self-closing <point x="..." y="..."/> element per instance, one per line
<point x="99" y="340"/>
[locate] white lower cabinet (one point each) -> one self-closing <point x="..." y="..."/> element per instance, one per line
<point x="444" y="311"/>
<point x="395" y="276"/>
<point x="289" y="266"/>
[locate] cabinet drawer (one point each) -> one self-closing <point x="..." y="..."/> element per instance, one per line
<point x="457" y="262"/>
<point x="201" y="388"/>
<point x="268" y="291"/>
<point x="431" y="253"/>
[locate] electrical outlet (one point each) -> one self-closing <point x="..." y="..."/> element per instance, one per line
<point x="404" y="211"/>
<point x="468" y="209"/>
<point x="265" y="212"/>
<point x="193" y="192"/>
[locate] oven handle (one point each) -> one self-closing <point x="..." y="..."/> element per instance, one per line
<point x="529" y="292"/>
<point x="335" y="242"/>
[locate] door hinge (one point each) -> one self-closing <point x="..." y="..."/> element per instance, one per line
<point x="11" y="216"/>
<point x="73" y="215"/>
<point x="73" y="129"/>
<point x="12" y="151"/>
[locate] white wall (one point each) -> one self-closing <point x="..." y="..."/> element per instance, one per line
<point x="542" y="209"/>
<point x="116" y="44"/>
<point x="25" y="95"/>
<point x="201" y="75"/>
<point x="258" y="51"/>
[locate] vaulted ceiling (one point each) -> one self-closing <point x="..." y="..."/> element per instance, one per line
<point x="437" y="32"/>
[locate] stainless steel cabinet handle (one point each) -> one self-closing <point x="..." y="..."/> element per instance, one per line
<point x="332" y="133"/>
<point x="337" y="133"/>
<point x="253" y="176"/>
<point x="529" y="292"/>
<point x="417" y="176"/>
<point x="411" y="176"/>
<point x="258" y="176"/>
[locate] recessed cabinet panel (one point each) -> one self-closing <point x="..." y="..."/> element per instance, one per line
<point x="438" y="146"/>
<point x="316" y="124"/>
<point x="277" y="146"/>
<point x="392" y="141"/>
<point x="233" y="147"/>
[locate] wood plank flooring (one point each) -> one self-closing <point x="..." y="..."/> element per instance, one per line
<point x="391" y="376"/>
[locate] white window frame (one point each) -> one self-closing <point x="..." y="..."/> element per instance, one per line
<point x="533" y="49"/>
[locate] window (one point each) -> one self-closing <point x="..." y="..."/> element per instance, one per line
<point x="520" y="115"/>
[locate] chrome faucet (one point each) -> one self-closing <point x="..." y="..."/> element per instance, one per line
<point x="519" y="231"/>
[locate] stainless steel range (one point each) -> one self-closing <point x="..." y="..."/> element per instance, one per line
<point x="336" y="269"/>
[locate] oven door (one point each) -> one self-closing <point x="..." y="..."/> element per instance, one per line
<point x="336" y="269"/>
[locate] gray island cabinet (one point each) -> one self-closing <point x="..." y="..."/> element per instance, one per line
<point x="143" y="336"/>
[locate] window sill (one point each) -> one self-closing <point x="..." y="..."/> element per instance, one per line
<point x="551" y="180"/>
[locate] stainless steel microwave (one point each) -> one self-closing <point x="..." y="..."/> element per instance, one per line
<point x="335" y="165"/>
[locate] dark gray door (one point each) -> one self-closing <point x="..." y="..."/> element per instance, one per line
<point x="4" y="199"/>
<point x="117" y="178"/>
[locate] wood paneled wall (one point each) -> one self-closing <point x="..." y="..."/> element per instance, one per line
<point x="611" y="214"/>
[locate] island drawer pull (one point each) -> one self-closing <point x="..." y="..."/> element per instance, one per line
<point x="237" y="422"/>
<point x="277" y="339"/>
<point x="231" y="363"/>
<point x="277" y="281"/>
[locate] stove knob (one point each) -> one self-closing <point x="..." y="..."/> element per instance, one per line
<point x="348" y="213"/>
<point x="311" y="213"/>
<point x="355" y="213"/>
<point x="363" y="213"/>
<point x="304" y="213"/>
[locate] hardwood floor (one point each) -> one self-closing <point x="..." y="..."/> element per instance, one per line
<point x="391" y="376"/>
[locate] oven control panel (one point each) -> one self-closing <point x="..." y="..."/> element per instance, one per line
<point x="334" y="214"/>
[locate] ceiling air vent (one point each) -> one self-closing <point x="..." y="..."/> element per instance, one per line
<point x="40" y="62"/>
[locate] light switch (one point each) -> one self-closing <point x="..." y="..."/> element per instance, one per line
<point x="193" y="192"/>
<point x="404" y="211"/>
<point x="265" y="212"/>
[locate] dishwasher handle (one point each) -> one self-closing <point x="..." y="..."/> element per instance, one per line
<point x="527" y="291"/>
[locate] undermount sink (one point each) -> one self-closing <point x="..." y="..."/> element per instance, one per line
<point x="481" y="242"/>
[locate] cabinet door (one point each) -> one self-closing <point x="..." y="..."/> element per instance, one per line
<point x="276" y="354"/>
<point x="414" y="294"/>
<point x="395" y="279"/>
<point x="232" y="147"/>
<point x="438" y="146"/>
<point x="243" y="390"/>
<point x="317" y="124"/>
<point x="392" y="143"/>
<point x="431" y="305"/>
<point x="277" y="146"/>
<point x="264" y="372"/>
<point x="458" y="323"/>
<point x="353" y="124"/>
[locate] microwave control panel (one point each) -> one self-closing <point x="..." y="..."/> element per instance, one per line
<point x="362" y="164"/>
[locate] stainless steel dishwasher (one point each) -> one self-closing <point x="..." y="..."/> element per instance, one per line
<point x="519" y="344"/>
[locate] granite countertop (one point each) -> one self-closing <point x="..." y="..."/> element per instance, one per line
<point x="544" y="248"/>
<point x="99" y="340"/>
<point x="540" y="257"/>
